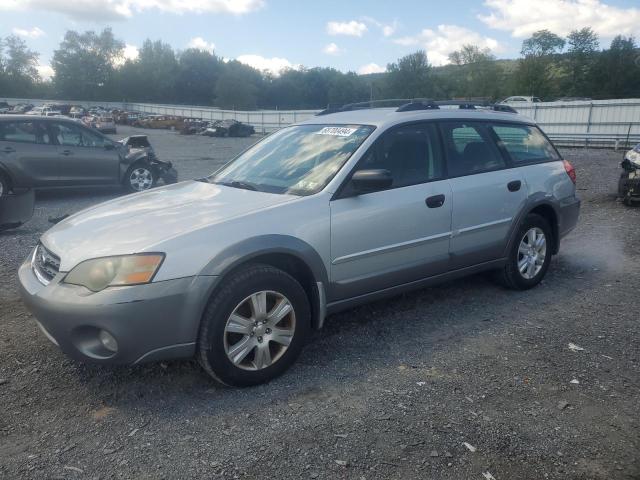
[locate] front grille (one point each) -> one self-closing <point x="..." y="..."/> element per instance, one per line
<point x="45" y="264"/>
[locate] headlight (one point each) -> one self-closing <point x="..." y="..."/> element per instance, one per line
<point x="100" y="273"/>
<point x="633" y="156"/>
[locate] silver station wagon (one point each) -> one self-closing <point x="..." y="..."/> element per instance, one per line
<point x="350" y="206"/>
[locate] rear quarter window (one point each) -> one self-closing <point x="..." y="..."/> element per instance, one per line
<point x="525" y="144"/>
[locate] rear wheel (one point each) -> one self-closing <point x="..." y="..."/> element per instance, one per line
<point x="254" y="327"/>
<point x="530" y="254"/>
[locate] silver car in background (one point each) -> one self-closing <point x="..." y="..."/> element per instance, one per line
<point x="344" y="208"/>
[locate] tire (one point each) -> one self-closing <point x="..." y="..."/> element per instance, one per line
<point x="140" y="177"/>
<point x="511" y="275"/>
<point x="245" y="335"/>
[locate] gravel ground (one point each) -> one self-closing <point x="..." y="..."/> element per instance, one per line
<point x="389" y="390"/>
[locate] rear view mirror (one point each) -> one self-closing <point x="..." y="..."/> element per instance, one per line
<point x="371" y="180"/>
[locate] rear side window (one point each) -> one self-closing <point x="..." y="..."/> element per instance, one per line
<point x="470" y="149"/>
<point x="411" y="153"/>
<point x="23" y="132"/>
<point x="525" y="144"/>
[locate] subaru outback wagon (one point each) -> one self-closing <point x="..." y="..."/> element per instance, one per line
<point x="341" y="209"/>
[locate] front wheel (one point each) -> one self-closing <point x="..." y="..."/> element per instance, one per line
<point x="140" y="177"/>
<point x="530" y="254"/>
<point x="254" y="327"/>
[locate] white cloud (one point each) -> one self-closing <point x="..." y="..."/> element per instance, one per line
<point x="272" y="65"/>
<point x="445" y="39"/>
<point x="200" y="43"/>
<point x="371" y="68"/>
<point x="388" y="29"/>
<point x="523" y="17"/>
<point x="45" y="71"/>
<point x="109" y="10"/>
<point x="352" y="28"/>
<point x="332" y="49"/>
<point x="34" y="32"/>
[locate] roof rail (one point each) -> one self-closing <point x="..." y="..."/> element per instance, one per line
<point x="414" y="104"/>
<point x="472" y="105"/>
<point x="385" y="103"/>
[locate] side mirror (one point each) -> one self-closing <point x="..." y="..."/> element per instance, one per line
<point x="109" y="146"/>
<point x="365" y="181"/>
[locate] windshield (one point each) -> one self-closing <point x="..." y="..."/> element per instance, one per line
<point x="298" y="160"/>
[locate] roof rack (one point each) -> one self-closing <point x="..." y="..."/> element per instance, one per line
<point x="385" y="103"/>
<point x="414" y="104"/>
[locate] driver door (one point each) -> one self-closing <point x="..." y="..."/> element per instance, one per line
<point x="84" y="157"/>
<point x="400" y="234"/>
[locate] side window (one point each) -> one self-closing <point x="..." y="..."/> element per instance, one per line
<point x="24" y="132"/>
<point x="411" y="153"/>
<point x="66" y="135"/>
<point x="470" y="149"/>
<point x="91" y="139"/>
<point x="525" y="144"/>
<point x="69" y="135"/>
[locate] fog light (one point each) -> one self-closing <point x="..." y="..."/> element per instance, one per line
<point x="108" y="341"/>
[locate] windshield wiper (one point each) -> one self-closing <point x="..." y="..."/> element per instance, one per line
<point x="203" y="180"/>
<point x="239" y="184"/>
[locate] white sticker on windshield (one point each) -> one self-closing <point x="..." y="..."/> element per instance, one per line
<point x="337" y="131"/>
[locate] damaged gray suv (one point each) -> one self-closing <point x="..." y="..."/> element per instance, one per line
<point x="347" y="207"/>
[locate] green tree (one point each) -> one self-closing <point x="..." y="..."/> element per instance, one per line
<point x="617" y="70"/>
<point x="84" y="64"/>
<point x="477" y="73"/>
<point x="538" y="73"/>
<point x="197" y="74"/>
<point x="580" y="62"/>
<point x="238" y="87"/>
<point x="18" y="72"/>
<point x="411" y="77"/>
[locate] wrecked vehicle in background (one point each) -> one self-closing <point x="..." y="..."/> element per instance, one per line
<point x="50" y="152"/>
<point x="159" y="121"/>
<point x="229" y="128"/>
<point x="105" y="125"/>
<point x="629" y="183"/>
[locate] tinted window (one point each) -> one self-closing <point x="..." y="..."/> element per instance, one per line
<point x="24" y="132"/>
<point x="470" y="149"/>
<point x="411" y="153"/>
<point x="70" y="135"/>
<point x="525" y="144"/>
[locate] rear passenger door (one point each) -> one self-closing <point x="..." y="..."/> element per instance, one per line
<point x="487" y="193"/>
<point x="27" y="152"/>
<point x="396" y="235"/>
<point x="85" y="157"/>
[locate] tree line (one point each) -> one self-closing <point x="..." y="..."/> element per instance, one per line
<point x="91" y="66"/>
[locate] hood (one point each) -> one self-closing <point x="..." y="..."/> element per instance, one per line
<point x="139" y="222"/>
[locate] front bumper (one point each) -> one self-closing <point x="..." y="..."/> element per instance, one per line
<point x="149" y="322"/>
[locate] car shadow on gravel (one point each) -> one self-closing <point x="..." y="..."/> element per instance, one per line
<point x="354" y="343"/>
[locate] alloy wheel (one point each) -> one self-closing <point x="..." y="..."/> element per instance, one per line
<point x="259" y="330"/>
<point x="532" y="253"/>
<point x="141" y="179"/>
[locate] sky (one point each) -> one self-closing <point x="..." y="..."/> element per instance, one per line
<point x="350" y="35"/>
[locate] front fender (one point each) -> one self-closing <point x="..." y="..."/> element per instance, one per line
<point x="244" y="251"/>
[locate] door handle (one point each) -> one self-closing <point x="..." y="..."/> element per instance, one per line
<point x="8" y="149"/>
<point x="514" y="186"/>
<point x="435" y="201"/>
<point x="66" y="153"/>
